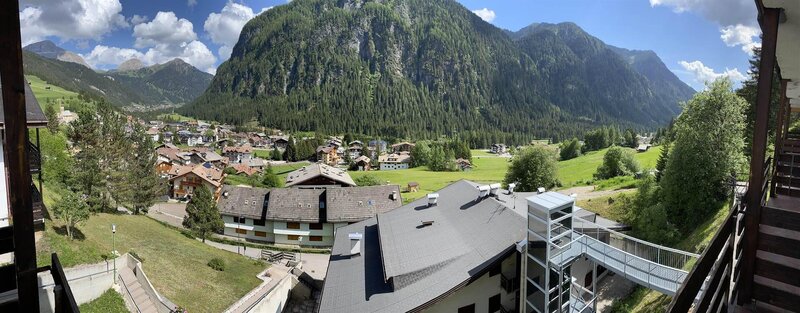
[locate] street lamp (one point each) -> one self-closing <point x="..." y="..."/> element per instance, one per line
<point x="114" y="247"/>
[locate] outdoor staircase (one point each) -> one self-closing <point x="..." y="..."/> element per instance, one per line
<point x="777" y="266"/>
<point x="135" y="292"/>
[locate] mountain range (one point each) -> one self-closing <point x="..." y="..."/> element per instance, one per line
<point x="419" y="68"/>
<point x="132" y="85"/>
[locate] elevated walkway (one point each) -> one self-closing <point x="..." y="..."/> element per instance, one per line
<point x="650" y="265"/>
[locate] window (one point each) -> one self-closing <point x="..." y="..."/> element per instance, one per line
<point x="259" y="222"/>
<point x="494" y="303"/>
<point x="467" y="309"/>
<point x="316" y="226"/>
<point x="293" y="225"/>
<point x="241" y="231"/>
<point x="261" y="234"/>
<point x="315" y="238"/>
<point x="293" y="237"/>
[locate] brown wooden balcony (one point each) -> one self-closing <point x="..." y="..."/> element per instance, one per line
<point x="35" y="158"/>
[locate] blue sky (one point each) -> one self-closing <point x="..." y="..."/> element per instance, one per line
<point x="698" y="40"/>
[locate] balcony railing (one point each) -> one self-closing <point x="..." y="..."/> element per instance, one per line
<point x="64" y="300"/>
<point x="34" y="157"/>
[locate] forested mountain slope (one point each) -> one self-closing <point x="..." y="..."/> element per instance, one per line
<point x="424" y="68"/>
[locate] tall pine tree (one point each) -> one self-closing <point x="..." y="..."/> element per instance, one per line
<point x="202" y="215"/>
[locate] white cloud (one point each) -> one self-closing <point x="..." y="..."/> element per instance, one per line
<point x="741" y="35"/>
<point x="703" y="73"/>
<point x="71" y="19"/>
<point x="166" y="28"/>
<point x="224" y="27"/>
<point x="138" y="19"/>
<point x="485" y="14"/>
<point x="736" y="18"/>
<point x="195" y="53"/>
<point x="110" y="57"/>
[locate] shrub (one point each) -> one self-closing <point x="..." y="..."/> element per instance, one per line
<point x="217" y="264"/>
<point x="617" y="162"/>
<point x="368" y="180"/>
<point x="533" y="168"/>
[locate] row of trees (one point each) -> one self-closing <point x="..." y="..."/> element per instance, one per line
<point x="112" y="166"/>
<point x="439" y="156"/>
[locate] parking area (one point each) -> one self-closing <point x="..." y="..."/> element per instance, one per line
<point x="170" y="213"/>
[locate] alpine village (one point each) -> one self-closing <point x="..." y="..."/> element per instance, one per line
<point x="347" y="156"/>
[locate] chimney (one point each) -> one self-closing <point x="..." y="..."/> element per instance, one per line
<point x="393" y="196"/>
<point x="541" y="190"/>
<point x="484" y="191"/>
<point x="494" y="189"/>
<point x="355" y="243"/>
<point x="511" y="187"/>
<point x="432" y="199"/>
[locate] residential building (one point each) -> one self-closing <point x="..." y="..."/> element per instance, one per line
<point x="355" y="149"/>
<point x="238" y="154"/>
<point x="185" y="178"/>
<point x="404" y="146"/>
<point x="66" y="116"/>
<point x="463" y="164"/>
<point x="279" y="141"/>
<point x="319" y="174"/>
<point x="377" y="146"/>
<point x="301" y="216"/>
<point x="499" y="148"/>
<point x="328" y="155"/>
<point x="394" y="161"/>
<point x="35" y="120"/>
<point x="456" y="255"/>
<point x="245" y="169"/>
<point x="363" y="163"/>
<point x="154" y="133"/>
<point x="465" y="248"/>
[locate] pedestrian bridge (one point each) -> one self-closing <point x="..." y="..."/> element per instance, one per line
<point x="653" y="266"/>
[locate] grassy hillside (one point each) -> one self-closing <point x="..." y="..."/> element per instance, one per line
<point x="175" y="264"/>
<point x="109" y="302"/>
<point x="579" y="171"/>
<point x="43" y="94"/>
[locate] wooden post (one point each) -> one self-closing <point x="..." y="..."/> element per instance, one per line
<point x="782" y="118"/>
<point x="16" y="138"/>
<point x="753" y="215"/>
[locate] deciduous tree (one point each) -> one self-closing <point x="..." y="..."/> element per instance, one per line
<point x="532" y="168"/>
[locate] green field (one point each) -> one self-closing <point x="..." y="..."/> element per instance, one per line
<point x="579" y="171"/>
<point x="175" y="117"/>
<point x="43" y="94"/>
<point x="486" y="169"/>
<point x="109" y="302"/>
<point x="175" y="264"/>
<point x="490" y="168"/>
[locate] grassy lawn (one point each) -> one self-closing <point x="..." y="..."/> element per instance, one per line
<point x="283" y="170"/>
<point x="175" y="264"/>
<point x="43" y="94"/>
<point x="484" y="170"/>
<point x="110" y="302"/>
<point x="482" y="153"/>
<point x="175" y="116"/>
<point x="603" y="206"/>
<point x="579" y="171"/>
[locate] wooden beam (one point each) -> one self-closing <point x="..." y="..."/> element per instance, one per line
<point x="769" y="25"/>
<point x="19" y="177"/>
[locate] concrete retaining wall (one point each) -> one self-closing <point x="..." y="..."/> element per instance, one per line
<point x="276" y="299"/>
<point x="87" y="282"/>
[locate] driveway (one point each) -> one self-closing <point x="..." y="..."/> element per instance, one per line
<point x="170" y="213"/>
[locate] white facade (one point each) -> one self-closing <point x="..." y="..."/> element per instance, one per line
<point x="480" y="291"/>
<point x="279" y="232"/>
<point x="3" y="190"/>
<point x="387" y="166"/>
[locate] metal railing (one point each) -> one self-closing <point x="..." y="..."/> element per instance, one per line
<point x="125" y="285"/>
<point x="64" y="300"/>
<point x="649" y="251"/>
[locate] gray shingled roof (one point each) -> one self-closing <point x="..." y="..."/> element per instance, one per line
<point x="353" y="204"/>
<point x="33" y="111"/>
<point x="424" y="262"/>
<point x="242" y="201"/>
<point x="294" y="204"/>
<point x="318" y="169"/>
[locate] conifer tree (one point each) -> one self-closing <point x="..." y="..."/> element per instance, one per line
<point x="202" y="215"/>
